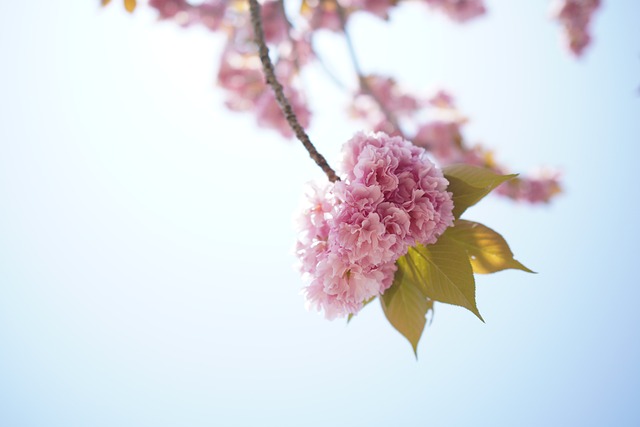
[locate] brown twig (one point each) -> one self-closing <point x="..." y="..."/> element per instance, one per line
<point x="365" y="87"/>
<point x="283" y="102"/>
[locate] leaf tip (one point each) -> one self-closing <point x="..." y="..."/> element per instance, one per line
<point x="521" y="266"/>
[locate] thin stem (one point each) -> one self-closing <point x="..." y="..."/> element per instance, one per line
<point x="323" y="65"/>
<point x="365" y="87"/>
<point x="283" y="102"/>
<point x="332" y="76"/>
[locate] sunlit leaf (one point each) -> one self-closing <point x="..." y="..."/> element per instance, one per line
<point x="105" y="2"/>
<point x="406" y="308"/>
<point x="469" y="184"/>
<point x="488" y="251"/>
<point x="442" y="272"/>
<point x="130" y="5"/>
<point x="305" y="8"/>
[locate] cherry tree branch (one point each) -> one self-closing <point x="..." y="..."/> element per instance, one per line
<point x="365" y="87"/>
<point x="283" y="102"/>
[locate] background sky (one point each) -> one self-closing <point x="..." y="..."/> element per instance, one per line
<point x="146" y="263"/>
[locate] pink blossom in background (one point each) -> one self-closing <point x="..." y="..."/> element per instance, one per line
<point x="321" y="14"/>
<point x="437" y="126"/>
<point x="442" y="99"/>
<point x="391" y="197"/>
<point x="270" y="115"/>
<point x="575" y="17"/>
<point x="380" y="96"/>
<point x="213" y="14"/>
<point x="210" y="13"/>
<point x="387" y="91"/>
<point x="442" y="139"/>
<point x="379" y="8"/>
<point x="274" y="23"/>
<point x="241" y="76"/>
<point x="459" y="10"/>
<point x="538" y="189"/>
<point x="168" y="9"/>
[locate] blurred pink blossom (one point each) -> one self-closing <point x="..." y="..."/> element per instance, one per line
<point x="459" y="10"/>
<point x="240" y="74"/>
<point x="538" y="189"/>
<point x="575" y="17"/>
<point x="321" y="14"/>
<point x="442" y="139"/>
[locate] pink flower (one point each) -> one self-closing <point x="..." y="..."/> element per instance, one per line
<point x="321" y="14"/>
<point x="459" y="10"/>
<point x="210" y="13"/>
<point x="241" y="75"/>
<point x="270" y="115"/>
<point x="442" y="99"/>
<point x="380" y="8"/>
<point x="274" y="22"/>
<point x="387" y="91"/>
<point x="538" y="189"/>
<point x="168" y="9"/>
<point x="391" y="197"/>
<point x="575" y="16"/>
<point x="442" y="139"/>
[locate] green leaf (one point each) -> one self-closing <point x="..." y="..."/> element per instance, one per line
<point x="469" y="184"/>
<point x="488" y="251"/>
<point x="351" y="315"/>
<point x="442" y="272"/>
<point x="406" y="309"/>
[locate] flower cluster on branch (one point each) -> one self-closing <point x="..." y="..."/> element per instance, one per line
<point x="388" y="223"/>
<point x="391" y="197"/>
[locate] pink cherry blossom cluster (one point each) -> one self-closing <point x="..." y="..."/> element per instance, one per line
<point x="390" y="198"/>
<point x="575" y="17"/>
<point x="240" y="74"/>
<point x="435" y="124"/>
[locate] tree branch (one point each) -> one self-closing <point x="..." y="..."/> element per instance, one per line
<point x="365" y="87"/>
<point x="283" y="102"/>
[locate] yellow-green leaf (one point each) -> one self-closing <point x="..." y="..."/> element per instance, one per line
<point x="442" y="272"/>
<point x="130" y="5"/>
<point x="488" y="251"/>
<point x="105" y="2"/>
<point x="406" y="309"/>
<point x="469" y="184"/>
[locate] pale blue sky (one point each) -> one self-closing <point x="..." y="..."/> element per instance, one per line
<point x="146" y="233"/>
